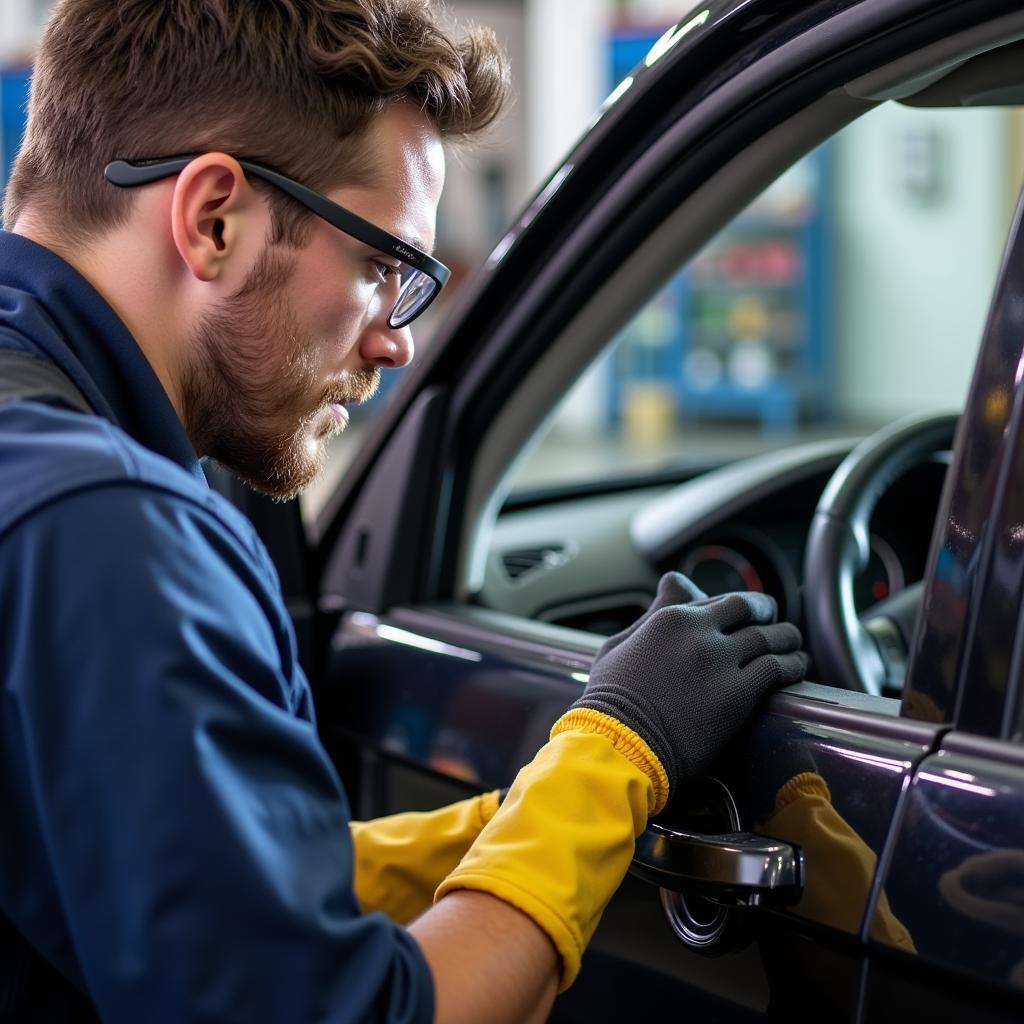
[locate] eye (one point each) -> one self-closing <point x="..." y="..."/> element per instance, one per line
<point x="386" y="271"/>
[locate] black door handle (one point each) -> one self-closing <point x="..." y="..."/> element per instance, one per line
<point x="740" y="869"/>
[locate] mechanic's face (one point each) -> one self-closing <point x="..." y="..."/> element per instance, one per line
<point x="307" y="333"/>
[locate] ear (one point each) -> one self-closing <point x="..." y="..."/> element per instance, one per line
<point x="215" y="216"/>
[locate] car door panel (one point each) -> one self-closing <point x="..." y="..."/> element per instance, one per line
<point x="440" y="702"/>
<point x="433" y="691"/>
<point x="956" y="874"/>
<point x="890" y="989"/>
<point x="865" y="759"/>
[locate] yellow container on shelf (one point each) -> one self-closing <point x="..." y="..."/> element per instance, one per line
<point x="648" y="414"/>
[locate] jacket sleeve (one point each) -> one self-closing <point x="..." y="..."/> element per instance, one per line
<point x="401" y="859"/>
<point x="176" y="840"/>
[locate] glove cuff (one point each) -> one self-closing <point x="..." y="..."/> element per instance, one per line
<point x="625" y="741"/>
<point x="804" y="784"/>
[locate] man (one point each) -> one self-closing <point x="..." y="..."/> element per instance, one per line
<point x="219" y="228"/>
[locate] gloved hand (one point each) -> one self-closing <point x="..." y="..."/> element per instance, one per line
<point x="663" y="696"/>
<point x="688" y="674"/>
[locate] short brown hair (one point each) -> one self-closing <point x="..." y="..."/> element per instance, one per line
<point x="284" y="82"/>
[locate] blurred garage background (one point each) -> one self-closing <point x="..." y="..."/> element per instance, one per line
<point x="784" y="325"/>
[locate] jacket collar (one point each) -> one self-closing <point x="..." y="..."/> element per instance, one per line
<point x="48" y="307"/>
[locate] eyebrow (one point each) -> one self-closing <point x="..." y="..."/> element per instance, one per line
<point x="419" y="244"/>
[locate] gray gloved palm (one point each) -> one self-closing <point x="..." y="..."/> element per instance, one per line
<point x="690" y="671"/>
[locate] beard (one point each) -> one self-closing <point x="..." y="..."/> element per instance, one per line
<point x="251" y="394"/>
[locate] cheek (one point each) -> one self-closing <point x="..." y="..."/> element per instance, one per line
<point x="333" y="308"/>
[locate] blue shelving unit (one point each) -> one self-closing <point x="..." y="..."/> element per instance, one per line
<point x="744" y="331"/>
<point x="13" y="100"/>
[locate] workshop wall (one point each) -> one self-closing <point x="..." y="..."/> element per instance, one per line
<point x="907" y="183"/>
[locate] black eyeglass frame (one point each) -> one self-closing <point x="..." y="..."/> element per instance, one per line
<point x="130" y="173"/>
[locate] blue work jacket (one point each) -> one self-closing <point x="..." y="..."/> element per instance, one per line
<point x="174" y="841"/>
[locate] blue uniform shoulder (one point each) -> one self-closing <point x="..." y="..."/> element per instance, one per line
<point x="86" y="511"/>
<point x="50" y="452"/>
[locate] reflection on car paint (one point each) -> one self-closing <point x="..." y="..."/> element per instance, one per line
<point x="957" y="871"/>
<point x="486" y="714"/>
<point x="864" y="776"/>
<point x="968" y="566"/>
<point x="673" y="37"/>
<point x="839" y="865"/>
<point x="529" y="215"/>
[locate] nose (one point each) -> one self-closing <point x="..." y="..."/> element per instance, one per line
<point x="387" y="347"/>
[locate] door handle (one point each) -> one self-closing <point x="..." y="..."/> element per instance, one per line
<point x="740" y="869"/>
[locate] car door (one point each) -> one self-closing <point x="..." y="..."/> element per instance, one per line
<point x="423" y="696"/>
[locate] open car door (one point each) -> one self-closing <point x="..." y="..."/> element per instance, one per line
<point x="791" y="881"/>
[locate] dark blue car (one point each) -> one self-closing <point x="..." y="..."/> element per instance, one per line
<point x="859" y="853"/>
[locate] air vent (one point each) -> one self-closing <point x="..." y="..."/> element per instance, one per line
<point x="518" y="563"/>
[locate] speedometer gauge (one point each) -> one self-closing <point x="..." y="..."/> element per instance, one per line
<point x="718" y="569"/>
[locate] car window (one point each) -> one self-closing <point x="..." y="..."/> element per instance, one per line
<point x="851" y="292"/>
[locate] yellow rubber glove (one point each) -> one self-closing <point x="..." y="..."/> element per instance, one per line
<point x="401" y="859"/>
<point x="840" y="865"/>
<point x="563" y="838"/>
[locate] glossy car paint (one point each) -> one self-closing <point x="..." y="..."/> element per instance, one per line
<point x="439" y="694"/>
<point x="956" y="871"/>
<point x="866" y="759"/>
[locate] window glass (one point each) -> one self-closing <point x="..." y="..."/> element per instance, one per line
<point x="851" y="292"/>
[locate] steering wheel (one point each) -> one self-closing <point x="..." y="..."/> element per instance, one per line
<point x="850" y="652"/>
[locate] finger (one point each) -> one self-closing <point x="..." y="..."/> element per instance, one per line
<point x="753" y="641"/>
<point x="792" y="667"/>
<point x="742" y="609"/>
<point x="673" y="588"/>
<point x="771" y="671"/>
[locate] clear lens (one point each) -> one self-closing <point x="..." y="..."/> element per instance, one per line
<point x="417" y="290"/>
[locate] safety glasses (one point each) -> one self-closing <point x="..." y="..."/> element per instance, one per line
<point x="421" y="276"/>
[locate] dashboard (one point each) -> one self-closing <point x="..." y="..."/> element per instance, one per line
<point x="591" y="561"/>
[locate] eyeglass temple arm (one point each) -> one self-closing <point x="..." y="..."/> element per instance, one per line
<point x="128" y="175"/>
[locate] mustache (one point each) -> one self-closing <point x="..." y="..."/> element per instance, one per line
<point x="354" y="388"/>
